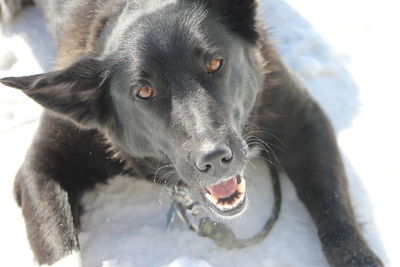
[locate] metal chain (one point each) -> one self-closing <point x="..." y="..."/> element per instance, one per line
<point x="186" y="209"/>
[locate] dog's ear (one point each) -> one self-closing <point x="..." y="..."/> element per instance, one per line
<point x="238" y="15"/>
<point x="79" y="92"/>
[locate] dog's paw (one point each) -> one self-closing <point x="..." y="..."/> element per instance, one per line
<point x="350" y="255"/>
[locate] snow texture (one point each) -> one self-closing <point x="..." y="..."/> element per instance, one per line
<point x="345" y="52"/>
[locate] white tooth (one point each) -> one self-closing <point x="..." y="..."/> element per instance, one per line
<point x="220" y="206"/>
<point x="213" y="199"/>
<point x="242" y="186"/>
<point x="223" y="206"/>
<point x="240" y="199"/>
<point x="227" y="206"/>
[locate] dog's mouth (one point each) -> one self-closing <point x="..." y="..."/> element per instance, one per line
<point x="227" y="198"/>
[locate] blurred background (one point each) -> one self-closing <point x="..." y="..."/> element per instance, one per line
<point x="347" y="54"/>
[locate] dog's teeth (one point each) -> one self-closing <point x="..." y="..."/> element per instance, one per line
<point x="241" y="197"/>
<point x="224" y="206"/>
<point x="236" y="200"/>
<point x="213" y="199"/>
<point x="231" y="205"/>
<point x="241" y="188"/>
<point x="227" y="207"/>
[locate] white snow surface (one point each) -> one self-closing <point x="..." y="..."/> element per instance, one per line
<point x="345" y="52"/>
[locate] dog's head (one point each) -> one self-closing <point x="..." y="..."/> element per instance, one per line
<point x="176" y="81"/>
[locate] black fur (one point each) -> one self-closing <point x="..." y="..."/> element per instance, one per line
<point x="96" y="127"/>
<point x="237" y="15"/>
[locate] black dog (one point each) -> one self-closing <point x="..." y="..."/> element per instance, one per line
<point x="179" y="83"/>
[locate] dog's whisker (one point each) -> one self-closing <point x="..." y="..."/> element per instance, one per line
<point x="263" y="130"/>
<point x="169" y="178"/>
<point x="258" y="138"/>
<point x="161" y="168"/>
<point x="264" y="146"/>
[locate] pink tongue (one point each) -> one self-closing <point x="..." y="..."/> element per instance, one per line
<point x="224" y="189"/>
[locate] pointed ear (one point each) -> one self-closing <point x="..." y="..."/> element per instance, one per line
<point x="79" y="92"/>
<point x="238" y="15"/>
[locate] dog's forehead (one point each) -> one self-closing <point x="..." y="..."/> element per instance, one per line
<point x="168" y="47"/>
<point x="175" y="32"/>
<point x="168" y="41"/>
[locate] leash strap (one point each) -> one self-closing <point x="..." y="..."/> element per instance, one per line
<point x="223" y="236"/>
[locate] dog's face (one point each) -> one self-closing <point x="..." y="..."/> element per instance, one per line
<point x="178" y="82"/>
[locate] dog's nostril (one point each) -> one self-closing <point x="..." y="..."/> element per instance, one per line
<point x="207" y="167"/>
<point x="227" y="158"/>
<point x="203" y="168"/>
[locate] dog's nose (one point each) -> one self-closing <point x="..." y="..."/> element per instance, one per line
<point x="213" y="159"/>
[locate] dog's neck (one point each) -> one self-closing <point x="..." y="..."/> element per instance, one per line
<point x="95" y="43"/>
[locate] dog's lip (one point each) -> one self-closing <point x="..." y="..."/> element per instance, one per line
<point x="227" y="201"/>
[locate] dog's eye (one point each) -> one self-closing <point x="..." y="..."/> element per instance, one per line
<point x="214" y="65"/>
<point x="145" y="92"/>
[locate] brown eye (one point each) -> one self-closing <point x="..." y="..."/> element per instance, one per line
<point x="214" y="65"/>
<point x="145" y="92"/>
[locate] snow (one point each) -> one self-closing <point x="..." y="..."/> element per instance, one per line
<point x="71" y="260"/>
<point x="345" y="52"/>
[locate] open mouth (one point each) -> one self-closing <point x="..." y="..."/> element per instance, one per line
<point x="228" y="197"/>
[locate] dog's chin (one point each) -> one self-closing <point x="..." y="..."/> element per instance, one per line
<point x="227" y="198"/>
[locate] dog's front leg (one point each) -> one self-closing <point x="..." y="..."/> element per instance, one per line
<point x="47" y="212"/>
<point x="310" y="156"/>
